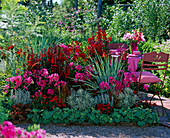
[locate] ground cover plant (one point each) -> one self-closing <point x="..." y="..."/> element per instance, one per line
<point x="58" y="69"/>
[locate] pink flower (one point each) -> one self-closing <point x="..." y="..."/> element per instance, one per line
<point x="41" y="83"/>
<point x="50" y="92"/>
<point x="78" y="67"/>
<point x="111" y="80"/>
<point x="43" y="72"/>
<point x="17" y="80"/>
<point x="53" y="77"/>
<point x="6" y="87"/>
<point x="71" y="65"/>
<point x="135" y="36"/>
<point x="107" y="86"/>
<point x="78" y="76"/>
<point x="18" y="130"/>
<point x="146" y="87"/>
<point x="28" y="80"/>
<point x="104" y="85"/>
<point x="120" y="73"/>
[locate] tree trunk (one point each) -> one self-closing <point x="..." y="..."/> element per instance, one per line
<point x="99" y="8"/>
<point x="44" y="2"/>
<point x="76" y="4"/>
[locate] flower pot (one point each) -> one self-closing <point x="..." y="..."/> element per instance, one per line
<point x="134" y="46"/>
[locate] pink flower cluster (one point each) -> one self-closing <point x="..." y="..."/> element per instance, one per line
<point x="17" y="81"/>
<point x="50" y="92"/>
<point x="71" y="65"/>
<point x="128" y="77"/>
<point x="78" y="67"/>
<point x="46" y="80"/>
<point x="8" y="130"/>
<point x="83" y="76"/>
<point x="104" y="85"/>
<point x="135" y="36"/>
<point x="146" y="86"/>
<point x="41" y="78"/>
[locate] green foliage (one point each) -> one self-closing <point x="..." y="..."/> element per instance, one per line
<point x="146" y="47"/>
<point x="127" y="98"/>
<point x="104" y="99"/>
<point x="33" y="127"/>
<point x="103" y="69"/>
<point x="6" y="104"/>
<point x="121" y="22"/>
<point x="3" y="114"/>
<point x="20" y="96"/>
<point x="153" y="17"/>
<point x="150" y="16"/>
<point x="81" y="100"/>
<point x="136" y="115"/>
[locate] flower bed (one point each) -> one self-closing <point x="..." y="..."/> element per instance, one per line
<point x="66" y="84"/>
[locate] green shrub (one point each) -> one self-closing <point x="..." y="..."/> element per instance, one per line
<point x="153" y="17"/>
<point x="127" y="98"/>
<point x="3" y="114"/>
<point x="20" y="96"/>
<point x="136" y="115"/>
<point x="81" y="100"/>
<point x="104" y="99"/>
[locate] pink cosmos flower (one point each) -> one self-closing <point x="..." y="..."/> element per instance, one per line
<point x="78" y="67"/>
<point x="120" y="73"/>
<point x="87" y="75"/>
<point x="89" y="68"/>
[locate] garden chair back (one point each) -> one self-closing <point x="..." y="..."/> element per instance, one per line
<point x="113" y="46"/>
<point x="160" y="61"/>
<point x="121" y="45"/>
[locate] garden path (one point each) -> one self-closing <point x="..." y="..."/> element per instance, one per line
<point x="164" y="119"/>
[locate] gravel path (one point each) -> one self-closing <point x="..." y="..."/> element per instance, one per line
<point x="60" y="131"/>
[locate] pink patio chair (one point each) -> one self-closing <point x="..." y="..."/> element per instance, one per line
<point x="121" y="45"/>
<point x="160" y="63"/>
<point x="113" y="46"/>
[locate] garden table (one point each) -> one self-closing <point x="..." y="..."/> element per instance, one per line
<point x="133" y="61"/>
